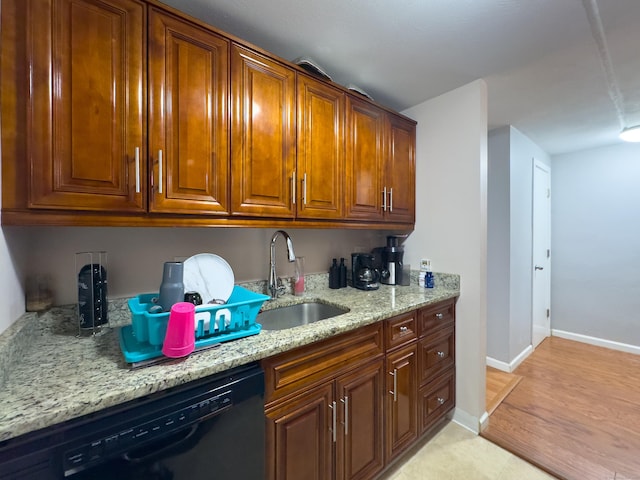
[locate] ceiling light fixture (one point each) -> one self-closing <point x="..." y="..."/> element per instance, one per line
<point x="631" y="134"/>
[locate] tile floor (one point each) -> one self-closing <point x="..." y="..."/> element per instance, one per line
<point x="455" y="453"/>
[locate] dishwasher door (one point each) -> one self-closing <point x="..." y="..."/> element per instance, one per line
<point x="208" y="429"/>
<point x="227" y="446"/>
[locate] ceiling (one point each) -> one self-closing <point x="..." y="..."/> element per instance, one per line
<point x="542" y="59"/>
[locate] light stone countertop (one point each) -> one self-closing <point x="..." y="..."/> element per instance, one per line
<point x="49" y="376"/>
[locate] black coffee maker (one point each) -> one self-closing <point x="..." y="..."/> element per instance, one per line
<point x="391" y="266"/>
<point x="364" y="275"/>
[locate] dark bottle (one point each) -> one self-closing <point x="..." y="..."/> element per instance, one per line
<point x="334" y="275"/>
<point x="343" y="273"/>
<point x="92" y="296"/>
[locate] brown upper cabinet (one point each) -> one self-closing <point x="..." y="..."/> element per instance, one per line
<point x="263" y="134"/>
<point x="128" y="112"/>
<point x="188" y="121"/>
<point x="380" y="164"/>
<point x="320" y="166"/>
<point x="365" y="157"/>
<point x="84" y="145"/>
<point x="400" y="170"/>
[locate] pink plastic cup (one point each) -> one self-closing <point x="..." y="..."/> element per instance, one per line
<point x="180" y="338"/>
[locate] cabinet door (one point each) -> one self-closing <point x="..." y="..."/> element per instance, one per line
<point x="263" y="134"/>
<point x="320" y="167"/>
<point x="299" y="437"/>
<point x="401" y="404"/>
<point x="400" y="170"/>
<point x="360" y="445"/>
<point x="87" y="109"/>
<point x="188" y="117"/>
<point x="364" y="162"/>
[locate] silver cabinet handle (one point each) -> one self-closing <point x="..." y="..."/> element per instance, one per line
<point x="159" y="171"/>
<point x="333" y="421"/>
<point x="394" y="392"/>
<point x="384" y="199"/>
<point x="391" y="199"/>
<point x="538" y="267"/>
<point x="403" y="328"/>
<point x="440" y="400"/>
<point x="137" y="169"/>
<point x="304" y="189"/>
<point x="345" y="401"/>
<point x="440" y="354"/>
<point x="293" y="187"/>
<point x="439" y="316"/>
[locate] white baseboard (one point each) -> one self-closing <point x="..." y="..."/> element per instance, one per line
<point x="599" y="342"/>
<point x="510" y="367"/>
<point x="484" y="421"/>
<point x="466" y="420"/>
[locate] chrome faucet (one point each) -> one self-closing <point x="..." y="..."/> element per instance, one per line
<point x="275" y="284"/>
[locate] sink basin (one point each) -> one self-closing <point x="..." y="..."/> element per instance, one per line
<point x="296" y="315"/>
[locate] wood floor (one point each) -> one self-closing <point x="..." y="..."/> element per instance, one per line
<point x="499" y="385"/>
<point x="576" y="412"/>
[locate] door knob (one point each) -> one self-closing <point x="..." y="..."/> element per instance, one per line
<point x="538" y="267"/>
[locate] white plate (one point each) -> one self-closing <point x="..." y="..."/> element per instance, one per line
<point x="209" y="275"/>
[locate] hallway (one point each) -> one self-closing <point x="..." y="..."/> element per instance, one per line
<point x="576" y="412"/>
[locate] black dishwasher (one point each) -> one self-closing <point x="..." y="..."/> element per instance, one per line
<point x="211" y="428"/>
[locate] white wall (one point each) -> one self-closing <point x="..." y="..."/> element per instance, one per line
<point x="510" y="236"/>
<point x="498" y="244"/>
<point x="13" y="248"/>
<point x="595" y="243"/>
<point x="451" y="223"/>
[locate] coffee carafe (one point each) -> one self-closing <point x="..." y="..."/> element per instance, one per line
<point x="364" y="275"/>
<point x="392" y="254"/>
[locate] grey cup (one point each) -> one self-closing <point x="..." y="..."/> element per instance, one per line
<point x="172" y="287"/>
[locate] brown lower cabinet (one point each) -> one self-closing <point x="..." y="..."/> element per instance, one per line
<point x="349" y="406"/>
<point x="336" y="426"/>
<point x="401" y="400"/>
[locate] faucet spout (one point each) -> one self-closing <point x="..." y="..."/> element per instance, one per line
<point x="275" y="284"/>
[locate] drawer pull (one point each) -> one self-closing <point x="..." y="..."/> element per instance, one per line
<point x="440" y="400"/>
<point x="439" y="316"/>
<point x="403" y="329"/>
<point x="440" y="354"/>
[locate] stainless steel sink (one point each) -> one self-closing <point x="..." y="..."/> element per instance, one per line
<point x="296" y="315"/>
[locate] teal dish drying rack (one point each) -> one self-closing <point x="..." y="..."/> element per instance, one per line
<point x="142" y="340"/>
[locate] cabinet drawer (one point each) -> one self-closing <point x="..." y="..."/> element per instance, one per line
<point x="305" y="366"/>
<point x="436" y="316"/>
<point x="436" y="399"/>
<point x="437" y="352"/>
<point x="400" y="330"/>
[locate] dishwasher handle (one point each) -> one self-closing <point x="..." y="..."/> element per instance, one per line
<point x="157" y="448"/>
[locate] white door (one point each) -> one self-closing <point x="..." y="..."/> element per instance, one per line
<point x="541" y="257"/>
